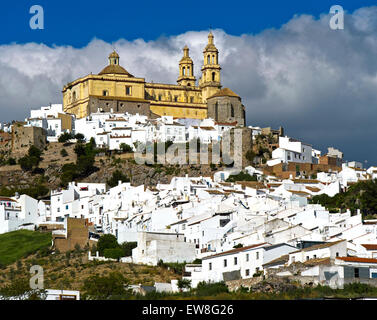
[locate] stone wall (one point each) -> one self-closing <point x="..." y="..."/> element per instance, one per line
<point x="77" y="233"/>
<point x="220" y="109"/>
<point x="24" y="137"/>
<point x="131" y="105"/>
<point x="247" y="283"/>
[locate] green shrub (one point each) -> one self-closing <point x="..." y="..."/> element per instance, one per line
<point x="63" y="153"/>
<point x="107" y="241"/>
<point x="127" y="248"/>
<point x="113" y="286"/>
<point x="113" y="253"/>
<point x="64" y="137"/>
<point x="211" y="288"/>
<point x="117" y="176"/>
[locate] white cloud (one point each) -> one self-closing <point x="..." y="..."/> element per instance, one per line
<point x="320" y="84"/>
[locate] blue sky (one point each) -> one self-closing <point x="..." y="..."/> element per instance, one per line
<point x="75" y="23"/>
<point x="281" y="57"/>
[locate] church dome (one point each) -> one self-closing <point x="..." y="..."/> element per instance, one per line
<point x="114" y="67"/>
<point x="225" y="92"/>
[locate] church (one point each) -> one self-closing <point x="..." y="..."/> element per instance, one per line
<point x="114" y="89"/>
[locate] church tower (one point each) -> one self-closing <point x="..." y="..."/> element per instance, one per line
<point x="210" y="82"/>
<point x="186" y="70"/>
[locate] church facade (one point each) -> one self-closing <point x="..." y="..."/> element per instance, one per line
<point x="114" y="89"/>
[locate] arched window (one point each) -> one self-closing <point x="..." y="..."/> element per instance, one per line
<point x="213" y="59"/>
<point x="231" y="111"/>
<point x="74" y="96"/>
<point x="208" y="59"/>
<point x="188" y="71"/>
<point x="183" y="70"/>
<point x="216" y="111"/>
<point x="213" y="76"/>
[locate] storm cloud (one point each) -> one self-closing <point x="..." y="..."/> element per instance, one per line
<point x="319" y="84"/>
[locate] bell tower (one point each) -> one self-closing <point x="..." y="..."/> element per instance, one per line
<point x="210" y="81"/>
<point x="186" y="70"/>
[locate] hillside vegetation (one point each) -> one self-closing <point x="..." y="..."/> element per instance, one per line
<point x="22" y="243"/>
<point x="361" y="195"/>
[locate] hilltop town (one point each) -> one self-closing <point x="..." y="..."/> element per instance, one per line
<point x="226" y="201"/>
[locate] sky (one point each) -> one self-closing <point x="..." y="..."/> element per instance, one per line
<point x="289" y="67"/>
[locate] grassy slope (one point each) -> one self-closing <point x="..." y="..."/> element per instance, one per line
<point x="17" y="244"/>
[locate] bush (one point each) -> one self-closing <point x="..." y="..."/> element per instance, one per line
<point x="31" y="160"/>
<point x="63" y="153"/>
<point x="117" y="176"/>
<point x="210" y="288"/>
<point x="80" y="137"/>
<point x="127" y="248"/>
<point x="242" y="176"/>
<point x="11" y="161"/>
<point x="113" y="253"/>
<point x="184" y="284"/>
<point x="113" y="286"/>
<point x="65" y="137"/>
<point x="125" y="148"/>
<point x="107" y="241"/>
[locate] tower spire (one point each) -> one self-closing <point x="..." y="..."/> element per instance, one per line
<point x="186" y="69"/>
<point x="210" y="80"/>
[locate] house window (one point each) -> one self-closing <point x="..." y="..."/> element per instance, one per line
<point x="356" y="272"/>
<point x="66" y="207"/>
<point x="247" y="272"/>
<point x="247" y="257"/>
<point x="337" y="254"/>
<point x="307" y="257"/>
<point x="225" y="263"/>
<point x="128" y="90"/>
<point x="210" y="266"/>
<point x="235" y="261"/>
<point x="82" y="206"/>
<point x="257" y="255"/>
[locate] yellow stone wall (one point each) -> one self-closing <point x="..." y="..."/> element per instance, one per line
<point x="191" y="100"/>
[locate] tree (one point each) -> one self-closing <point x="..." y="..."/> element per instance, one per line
<point x="242" y="176"/>
<point x="64" y="137"/>
<point x="125" y="148"/>
<point x="113" y="286"/>
<point x="184" y="284"/>
<point x="117" y="176"/>
<point x="31" y="160"/>
<point x="63" y="153"/>
<point x="107" y="241"/>
<point x="113" y="253"/>
<point x="12" y="161"/>
<point x="80" y="137"/>
<point x="127" y="248"/>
